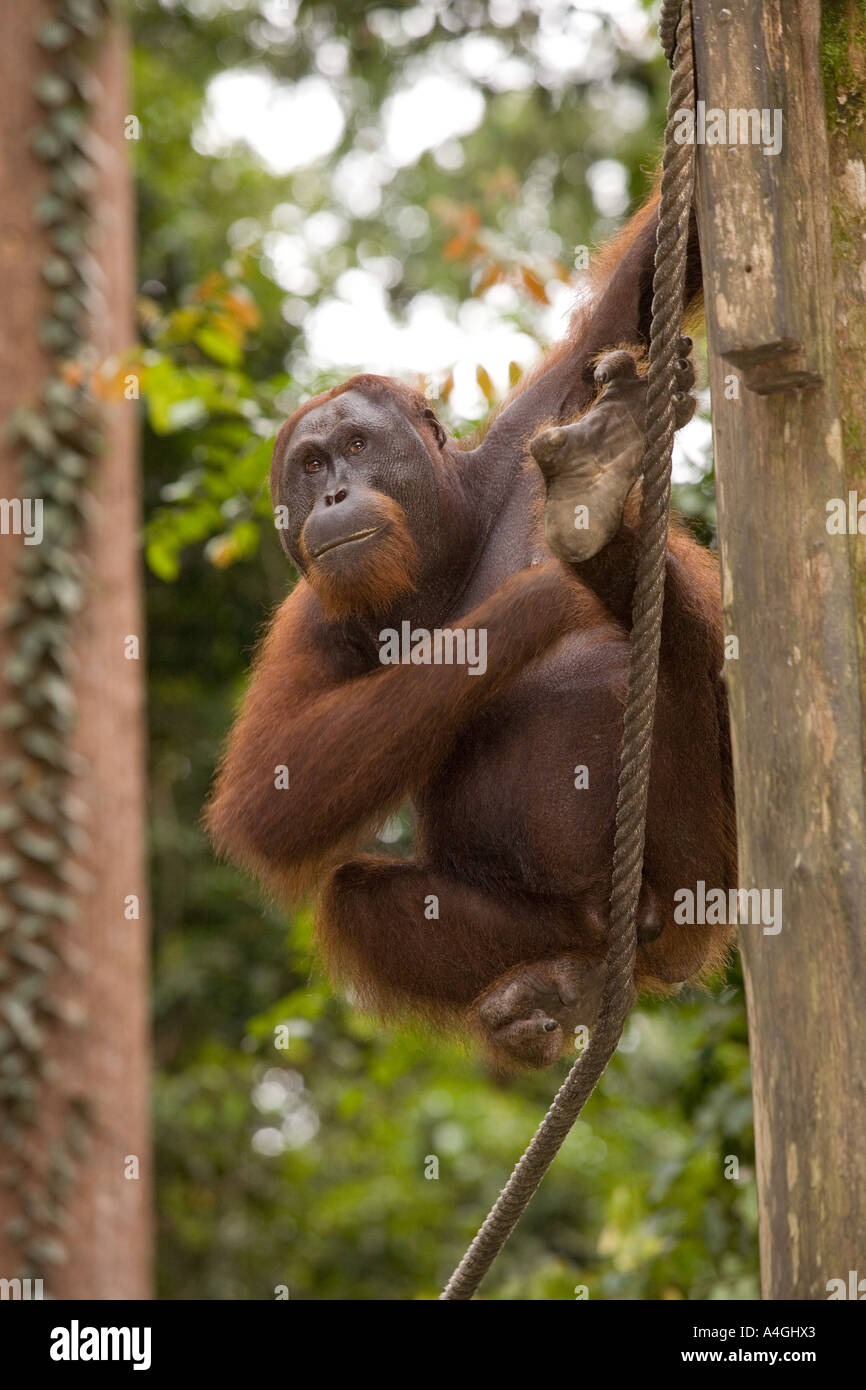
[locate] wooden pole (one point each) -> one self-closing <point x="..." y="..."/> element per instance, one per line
<point x="789" y="600"/>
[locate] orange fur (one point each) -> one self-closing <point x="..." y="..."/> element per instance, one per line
<point x="388" y="572"/>
<point x="517" y="861"/>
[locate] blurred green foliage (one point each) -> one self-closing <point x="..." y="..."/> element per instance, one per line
<point x="305" y="1165"/>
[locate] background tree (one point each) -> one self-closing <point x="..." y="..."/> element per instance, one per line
<point x="75" y="1202"/>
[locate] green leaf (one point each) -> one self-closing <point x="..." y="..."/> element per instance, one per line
<point x="219" y="347"/>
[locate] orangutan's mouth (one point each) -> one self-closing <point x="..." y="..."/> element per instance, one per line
<point x="345" y="540"/>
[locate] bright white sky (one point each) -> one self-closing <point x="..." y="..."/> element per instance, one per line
<point x="293" y="126"/>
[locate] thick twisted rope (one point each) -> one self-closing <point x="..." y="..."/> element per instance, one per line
<point x="618" y="992"/>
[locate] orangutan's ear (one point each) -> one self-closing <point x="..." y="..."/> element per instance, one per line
<point x="432" y="420"/>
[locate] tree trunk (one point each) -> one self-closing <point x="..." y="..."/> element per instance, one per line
<point x="843" y="53"/>
<point x="780" y="416"/>
<point x="74" y="1142"/>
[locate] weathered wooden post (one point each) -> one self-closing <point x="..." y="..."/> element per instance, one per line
<point x="789" y="599"/>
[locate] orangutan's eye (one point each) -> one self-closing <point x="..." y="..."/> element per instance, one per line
<point x="312" y="466"/>
<point x="356" y="445"/>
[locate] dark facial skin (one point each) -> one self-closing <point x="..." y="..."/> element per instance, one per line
<point x="340" y="461"/>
